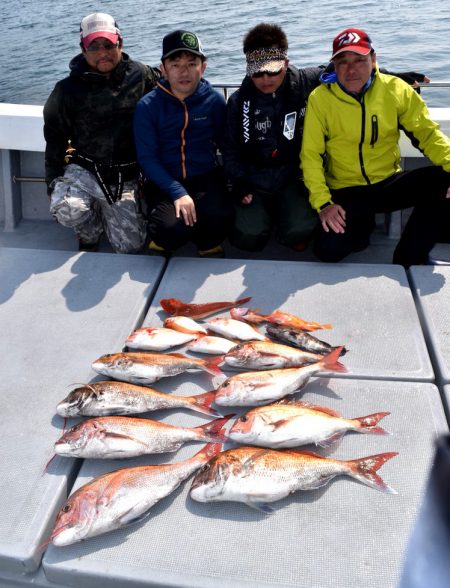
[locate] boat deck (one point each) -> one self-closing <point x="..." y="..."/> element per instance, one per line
<point x="39" y="234"/>
<point x="60" y="310"/>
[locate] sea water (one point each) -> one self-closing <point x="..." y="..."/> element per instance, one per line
<point x="39" y="37"/>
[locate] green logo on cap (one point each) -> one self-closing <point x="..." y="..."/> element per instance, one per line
<point x="190" y="40"/>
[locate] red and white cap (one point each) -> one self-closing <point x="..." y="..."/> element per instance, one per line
<point x="98" y="24"/>
<point x="354" y="40"/>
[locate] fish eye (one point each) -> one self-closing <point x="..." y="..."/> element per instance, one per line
<point x="66" y="508"/>
<point x="205" y="468"/>
<point x="244" y="418"/>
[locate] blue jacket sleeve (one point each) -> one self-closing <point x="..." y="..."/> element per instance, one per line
<point x="147" y="139"/>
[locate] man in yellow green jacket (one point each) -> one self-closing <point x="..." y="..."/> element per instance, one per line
<point x="351" y="159"/>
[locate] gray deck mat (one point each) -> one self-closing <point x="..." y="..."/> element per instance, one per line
<point x="58" y="311"/>
<point x="446" y="399"/>
<point x="432" y="290"/>
<point x="370" y="306"/>
<point x="345" y="534"/>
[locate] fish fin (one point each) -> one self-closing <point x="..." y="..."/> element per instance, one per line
<point x="211" y="365"/>
<point x="208" y="451"/>
<point x="243" y="300"/>
<point x="277" y="424"/>
<point x="110" y="435"/>
<point x="305" y="452"/>
<point x="128" y="518"/>
<point x="238" y="314"/>
<point x="330" y="362"/>
<point x="331" y="440"/>
<point x="325" y="410"/>
<point x="202" y="403"/>
<point x="364" y="470"/>
<point x="261" y="506"/>
<point x="368" y="423"/>
<point x="290" y="401"/>
<point x="305" y="404"/>
<point x="215" y="429"/>
<point x="344" y="350"/>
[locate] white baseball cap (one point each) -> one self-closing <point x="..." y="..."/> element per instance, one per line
<point x="98" y="24"/>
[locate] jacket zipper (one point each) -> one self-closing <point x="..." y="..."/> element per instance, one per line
<point x="183" y="141"/>
<point x="360" y="147"/>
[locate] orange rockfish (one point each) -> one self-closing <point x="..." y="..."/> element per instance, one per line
<point x="278" y="317"/>
<point x="257" y="388"/>
<point x="145" y="368"/>
<point x="114" y="437"/>
<point x="184" y="324"/>
<point x="157" y="338"/>
<point x="121" y="398"/>
<point x="122" y="497"/>
<point x="264" y="355"/>
<point x="289" y="423"/>
<point x="177" y="308"/>
<point x="232" y="329"/>
<point x="256" y="476"/>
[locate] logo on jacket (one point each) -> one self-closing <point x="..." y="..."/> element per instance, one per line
<point x="263" y="125"/>
<point x="289" y="125"/>
<point x="246" y="120"/>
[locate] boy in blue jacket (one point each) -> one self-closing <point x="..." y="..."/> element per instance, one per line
<point x="178" y="128"/>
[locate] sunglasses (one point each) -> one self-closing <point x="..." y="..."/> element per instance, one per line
<point x="99" y="46"/>
<point x="270" y="74"/>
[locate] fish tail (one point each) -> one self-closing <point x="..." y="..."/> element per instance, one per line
<point x="344" y="350"/>
<point x="131" y="337"/>
<point x="243" y="300"/>
<point x="330" y="362"/>
<point x="238" y="313"/>
<point x="368" y="423"/>
<point x="208" y="451"/>
<point x="215" y="430"/>
<point x="364" y="470"/>
<point x="202" y="403"/>
<point x="211" y="365"/>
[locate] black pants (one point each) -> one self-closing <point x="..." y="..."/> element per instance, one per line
<point x="288" y="209"/>
<point x="214" y="214"/>
<point x="424" y="189"/>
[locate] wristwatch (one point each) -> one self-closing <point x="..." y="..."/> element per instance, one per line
<point x="325" y="205"/>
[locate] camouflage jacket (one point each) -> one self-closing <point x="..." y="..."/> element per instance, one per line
<point x="95" y="113"/>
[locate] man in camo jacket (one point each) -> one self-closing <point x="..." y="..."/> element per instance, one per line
<point x="90" y="161"/>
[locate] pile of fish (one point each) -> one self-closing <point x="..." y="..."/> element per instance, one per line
<point x="271" y="365"/>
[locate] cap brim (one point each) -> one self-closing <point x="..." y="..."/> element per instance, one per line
<point x="272" y="66"/>
<point x="104" y="35"/>
<point x="352" y="49"/>
<point x="184" y="50"/>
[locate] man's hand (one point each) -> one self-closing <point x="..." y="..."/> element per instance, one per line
<point x="426" y="80"/>
<point x="448" y="193"/>
<point x="333" y="217"/>
<point x="185" y="207"/>
<point x="247" y="199"/>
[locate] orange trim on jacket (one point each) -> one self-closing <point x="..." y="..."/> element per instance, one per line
<point x="186" y="121"/>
